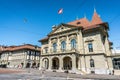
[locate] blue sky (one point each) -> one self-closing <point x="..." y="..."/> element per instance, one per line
<point x="42" y="14"/>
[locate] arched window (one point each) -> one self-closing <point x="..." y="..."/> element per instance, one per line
<point x="73" y="44"/>
<point x="90" y="47"/>
<point x="92" y="63"/>
<point x="54" y="47"/>
<point x="63" y="45"/>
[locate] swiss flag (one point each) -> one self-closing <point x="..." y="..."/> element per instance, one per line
<point x="60" y="11"/>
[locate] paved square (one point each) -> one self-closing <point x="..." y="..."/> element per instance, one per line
<point x="22" y="74"/>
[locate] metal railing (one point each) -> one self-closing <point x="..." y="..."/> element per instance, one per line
<point x="62" y="51"/>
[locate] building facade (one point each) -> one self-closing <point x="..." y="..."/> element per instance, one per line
<point x="23" y="56"/>
<point x="80" y="46"/>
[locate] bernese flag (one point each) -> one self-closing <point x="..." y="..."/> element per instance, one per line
<point x="60" y="11"/>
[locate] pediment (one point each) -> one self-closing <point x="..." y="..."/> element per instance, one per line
<point x="89" y="40"/>
<point x="62" y="28"/>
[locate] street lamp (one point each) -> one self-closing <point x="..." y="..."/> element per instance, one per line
<point x="29" y="62"/>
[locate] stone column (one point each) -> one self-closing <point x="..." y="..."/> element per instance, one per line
<point x="79" y="63"/>
<point x="78" y="42"/>
<point x="83" y="63"/>
<point x="81" y="42"/>
<point x="50" y="64"/>
<point x="60" y="63"/>
<point x="67" y="43"/>
<point x="58" y="44"/>
<point x="73" y="63"/>
<point x="49" y="48"/>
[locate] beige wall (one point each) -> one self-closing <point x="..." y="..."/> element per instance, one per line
<point x="102" y="64"/>
<point x="82" y="42"/>
<point x="95" y="38"/>
<point x="15" y="58"/>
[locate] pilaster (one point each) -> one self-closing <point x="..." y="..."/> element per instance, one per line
<point x="73" y="63"/>
<point x="80" y="42"/>
<point x="50" y="64"/>
<point x="60" y="63"/>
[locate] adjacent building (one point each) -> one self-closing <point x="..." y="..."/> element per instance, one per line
<point x="23" y="56"/>
<point x="116" y="61"/>
<point x="80" y="46"/>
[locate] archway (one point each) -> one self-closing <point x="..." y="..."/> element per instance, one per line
<point x="55" y="63"/>
<point x="28" y="65"/>
<point x="45" y="63"/>
<point x="34" y="65"/>
<point x="67" y="63"/>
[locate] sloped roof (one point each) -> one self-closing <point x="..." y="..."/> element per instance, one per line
<point x="96" y="19"/>
<point x="84" y="23"/>
<point x="81" y="22"/>
<point x="87" y="24"/>
<point x="26" y="46"/>
<point x="44" y="39"/>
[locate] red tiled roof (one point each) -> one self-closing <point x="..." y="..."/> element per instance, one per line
<point x="84" y="23"/>
<point x="87" y="24"/>
<point x="44" y="39"/>
<point x="26" y="46"/>
<point x="96" y="19"/>
<point x="81" y="22"/>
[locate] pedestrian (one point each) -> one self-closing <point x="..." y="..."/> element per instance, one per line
<point x="113" y="72"/>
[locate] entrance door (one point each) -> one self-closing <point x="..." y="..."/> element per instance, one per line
<point x="55" y="63"/>
<point x="67" y="63"/>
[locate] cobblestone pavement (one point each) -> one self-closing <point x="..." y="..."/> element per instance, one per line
<point x="20" y="74"/>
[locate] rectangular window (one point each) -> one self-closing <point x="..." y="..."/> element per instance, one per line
<point x="116" y="64"/>
<point x="92" y="63"/>
<point x="46" y="49"/>
<point x="90" y="47"/>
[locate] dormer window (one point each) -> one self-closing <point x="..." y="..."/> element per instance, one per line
<point x="62" y="28"/>
<point x="78" y="23"/>
<point x="46" y="49"/>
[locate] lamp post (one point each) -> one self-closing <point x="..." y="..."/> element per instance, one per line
<point x="29" y="62"/>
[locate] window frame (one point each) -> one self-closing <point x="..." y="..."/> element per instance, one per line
<point x="92" y="63"/>
<point x="63" y="45"/>
<point x="73" y="44"/>
<point x="90" y="47"/>
<point x="54" y="47"/>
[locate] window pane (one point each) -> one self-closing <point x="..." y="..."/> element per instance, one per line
<point x="54" y="47"/>
<point x="90" y="47"/>
<point x="73" y="43"/>
<point x="63" y="45"/>
<point x="92" y="63"/>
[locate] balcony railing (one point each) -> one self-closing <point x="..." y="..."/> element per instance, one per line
<point x="59" y="51"/>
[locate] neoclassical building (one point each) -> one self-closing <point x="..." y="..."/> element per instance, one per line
<point x="80" y="46"/>
<point x="23" y="56"/>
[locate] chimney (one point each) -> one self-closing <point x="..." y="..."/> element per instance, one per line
<point x="53" y="27"/>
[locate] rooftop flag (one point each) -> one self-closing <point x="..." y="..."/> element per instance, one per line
<point x="60" y="11"/>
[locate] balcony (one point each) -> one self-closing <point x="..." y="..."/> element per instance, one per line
<point x="61" y="51"/>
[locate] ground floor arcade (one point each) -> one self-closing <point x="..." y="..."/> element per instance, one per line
<point x="75" y="63"/>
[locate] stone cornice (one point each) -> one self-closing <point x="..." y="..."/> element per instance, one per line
<point x="77" y="54"/>
<point x="73" y="28"/>
<point x="60" y="54"/>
